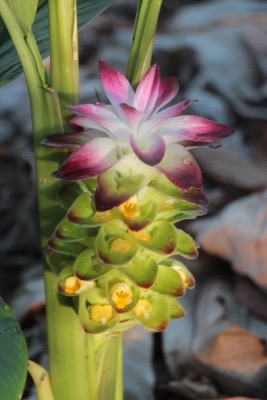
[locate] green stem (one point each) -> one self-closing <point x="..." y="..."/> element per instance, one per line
<point x="67" y="359"/>
<point x="143" y="39"/>
<point x="40" y="98"/>
<point x="65" y="335"/>
<point x="41" y="380"/>
<point x="105" y="366"/>
<point x="64" y="50"/>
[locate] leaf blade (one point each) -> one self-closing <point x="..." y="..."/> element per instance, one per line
<point x="10" y="66"/>
<point x="13" y="355"/>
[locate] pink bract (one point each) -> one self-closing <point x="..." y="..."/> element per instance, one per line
<point x="135" y="122"/>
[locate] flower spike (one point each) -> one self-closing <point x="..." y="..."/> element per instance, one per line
<point x="116" y="247"/>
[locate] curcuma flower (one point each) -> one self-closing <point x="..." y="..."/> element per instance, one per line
<point x="116" y="248"/>
<point x="136" y="123"/>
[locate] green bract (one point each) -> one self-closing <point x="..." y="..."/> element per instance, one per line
<point x="119" y="263"/>
<point x="88" y="266"/>
<point x="142" y="270"/>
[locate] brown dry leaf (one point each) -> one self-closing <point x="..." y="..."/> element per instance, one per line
<point x="240" y="398"/>
<point x="237" y="359"/>
<point x="233" y="356"/>
<point x="236" y="350"/>
<point x="239" y="235"/>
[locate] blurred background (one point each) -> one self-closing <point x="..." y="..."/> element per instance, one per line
<point x="218" y="51"/>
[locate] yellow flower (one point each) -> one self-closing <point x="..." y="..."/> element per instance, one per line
<point x="120" y="245"/>
<point x="142" y="309"/>
<point x="121" y="295"/>
<point x="130" y="208"/>
<point x="101" y="313"/>
<point x="142" y="235"/>
<point x="72" y="285"/>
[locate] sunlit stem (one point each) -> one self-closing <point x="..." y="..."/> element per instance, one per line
<point x="66" y="338"/>
<point x="143" y="39"/>
<point x="64" y="57"/>
<point x="41" y="381"/>
<point x="105" y="367"/>
<point x="66" y="350"/>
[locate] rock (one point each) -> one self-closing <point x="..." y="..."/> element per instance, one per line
<point x="231" y="168"/>
<point x="239" y="235"/>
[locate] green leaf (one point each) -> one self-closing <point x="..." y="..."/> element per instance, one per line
<point x="143" y="39"/>
<point x="24" y="15"/>
<point x="13" y="355"/>
<point x="10" y="66"/>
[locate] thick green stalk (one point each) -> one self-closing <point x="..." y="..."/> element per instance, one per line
<point x="64" y="51"/>
<point x="104" y="362"/>
<point x="143" y="39"/>
<point x="66" y="339"/>
<point x="65" y="335"/>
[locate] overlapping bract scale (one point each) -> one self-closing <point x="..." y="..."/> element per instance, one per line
<point x="121" y="263"/>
